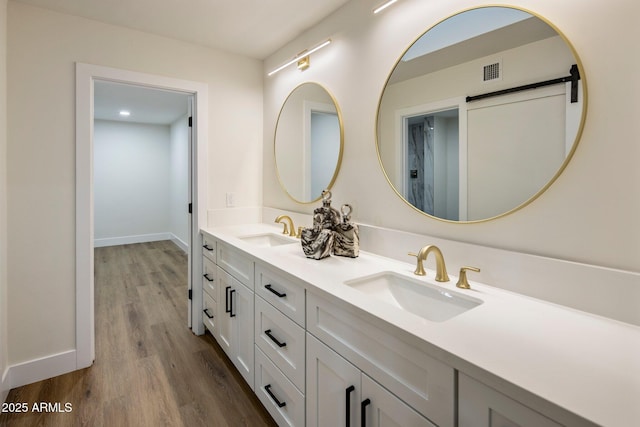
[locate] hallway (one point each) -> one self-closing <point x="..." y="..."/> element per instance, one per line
<point x="150" y="369"/>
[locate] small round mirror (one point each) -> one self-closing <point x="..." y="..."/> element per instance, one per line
<point x="481" y="114"/>
<point x="308" y="142"/>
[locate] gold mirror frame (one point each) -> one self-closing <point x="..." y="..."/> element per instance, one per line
<point x="563" y="165"/>
<point x="275" y="141"/>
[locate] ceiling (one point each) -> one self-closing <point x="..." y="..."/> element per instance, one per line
<point x="254" y="28"/>
<point x="146" y="105"/>
<point x="498" y="40"/>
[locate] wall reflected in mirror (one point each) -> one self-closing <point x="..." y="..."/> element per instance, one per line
<point x="462" y="159"/>
<point x="308" y="142"/>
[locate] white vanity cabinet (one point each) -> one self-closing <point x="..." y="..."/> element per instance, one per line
<point x="280" y="345"/>
<point x="482" y="406"/>
<point x="228" y="302"/>
<point x="339" y="394"/>
<point x="377" y="349"/>
<point x="235" y="323"/>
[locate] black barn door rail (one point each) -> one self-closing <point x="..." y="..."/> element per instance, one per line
<point x="573" y="78"/>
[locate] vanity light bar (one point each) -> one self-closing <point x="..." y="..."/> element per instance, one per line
<point x="384" y="6"/>
<point x="300" y="56"/>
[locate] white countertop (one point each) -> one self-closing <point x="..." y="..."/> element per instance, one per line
<point x="585" y="364"/>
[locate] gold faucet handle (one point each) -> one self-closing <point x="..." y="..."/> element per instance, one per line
<point x="463" y="283"/>
<point x="419" y="267"/>
<point x="299" y="233"/>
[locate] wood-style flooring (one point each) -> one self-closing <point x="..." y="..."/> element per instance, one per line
<point x="150" y="369"/>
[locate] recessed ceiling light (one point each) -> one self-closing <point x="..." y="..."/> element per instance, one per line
<point x="125" y="113"/>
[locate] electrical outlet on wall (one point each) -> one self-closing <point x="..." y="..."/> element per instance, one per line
<point x="231" y="200"/>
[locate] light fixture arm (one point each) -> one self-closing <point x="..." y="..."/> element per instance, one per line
<point x="301" y="56"/>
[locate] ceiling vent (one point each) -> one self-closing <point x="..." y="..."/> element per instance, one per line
<point x="492" y="72"/>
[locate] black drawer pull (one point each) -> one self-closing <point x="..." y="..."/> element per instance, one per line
<point x="363" y="410"/>
<point x="226" y="300"/>
<point x="274" y="339"/>
<point x="206" y="311"/>
<point x="267" y="388"/>
<point x="206" y="276"/>
<point x="207" y="247"/>
<point x="348" y="391"/>
<point x="231" y="313"/>
<point x="278" y="294"/>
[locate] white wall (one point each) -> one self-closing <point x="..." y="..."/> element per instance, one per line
<point x="179" y="182"/>
<point x="3" y="197"/>
<point x="132" y="182"/>
<point x="589" y="214"/>
<point x="42" y="49"/>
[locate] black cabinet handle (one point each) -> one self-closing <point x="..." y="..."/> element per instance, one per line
<point x="267" y="388"/>
<point x="278" y="343"/>
<point x="206" y="276"/>
<point x="231" y="313"/>
<point x="206" y="311"/>
<point x="226" y="300"/>
<point x="207" y="247"/>
<point x="278" y="294"/>
<point x="348" y="391"/>
<point x="363" y="410"/>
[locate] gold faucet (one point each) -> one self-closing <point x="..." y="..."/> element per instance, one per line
<point x="463" y="283"/>
<point x="441" y="269"/>
<point x="288" y="225"/>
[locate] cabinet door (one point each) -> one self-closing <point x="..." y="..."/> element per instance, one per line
<point x="482" y="406"/>
<point x="224" y="331"/>
<point x="241" y="315"/>
<point x="382" y="409"/>
<point x="331" y="383"/>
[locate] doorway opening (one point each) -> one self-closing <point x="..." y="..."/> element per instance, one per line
<point x="141" y="165"/>
<point x="89" y="83"/>
<point x="432" y="162"/>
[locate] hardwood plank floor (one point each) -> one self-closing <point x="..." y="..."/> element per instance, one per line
<point x="150" y="369"/>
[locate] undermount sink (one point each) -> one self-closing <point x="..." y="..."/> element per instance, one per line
<point x="423" y="299"/>
<point x="267" y="239"/>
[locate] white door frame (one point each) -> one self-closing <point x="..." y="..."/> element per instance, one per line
<point x="402" y="117"/>
<point x="86" y="74"/>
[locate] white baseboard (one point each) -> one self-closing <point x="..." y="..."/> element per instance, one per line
<point x="179" y="243"/>
<point x="126" y="240"/>
<point x="5" y="387"/>
<point x="40" y="369"/>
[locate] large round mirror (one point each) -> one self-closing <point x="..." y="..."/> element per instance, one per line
<point x="480" y="114"/>
<point x="308" y="142"/>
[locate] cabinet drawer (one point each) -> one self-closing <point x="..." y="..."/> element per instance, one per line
<point x="282" y="340"/>
<point x="209" y="282"/>
<point x="209" y="247"/>
<point x="209" y="313"/>
<point x="422" y="381"/>
<point x="282" y="399"/>
<point x="235" y="263"/>
<point x="284" y="294"/>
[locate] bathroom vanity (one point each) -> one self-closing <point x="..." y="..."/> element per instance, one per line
<point x="364" y="341"/>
